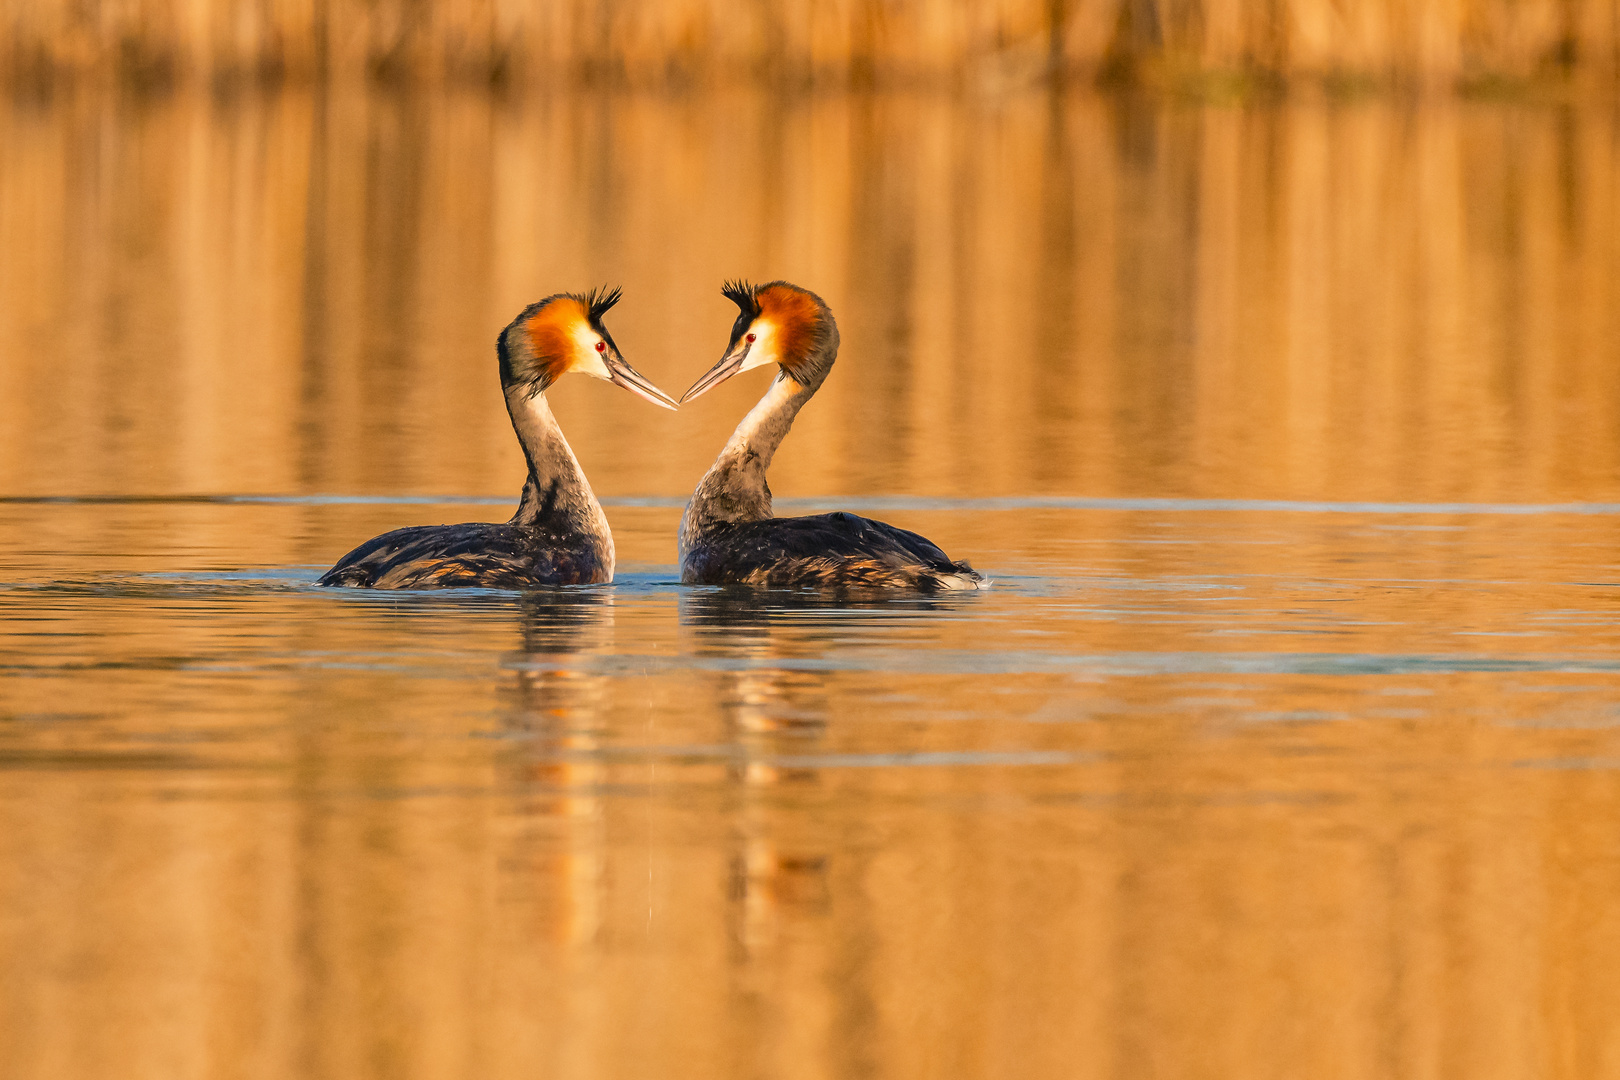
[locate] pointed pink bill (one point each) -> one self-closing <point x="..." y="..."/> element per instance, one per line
<point x="622" y="374"/>
<point x="728" y="366"/>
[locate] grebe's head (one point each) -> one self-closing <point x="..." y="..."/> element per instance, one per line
<point x="563" y="334"/>
<point x="779" y="324"/>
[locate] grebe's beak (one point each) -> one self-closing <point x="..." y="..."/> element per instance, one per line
<point x="728" y="366"/>
<point x="622" y="374"/>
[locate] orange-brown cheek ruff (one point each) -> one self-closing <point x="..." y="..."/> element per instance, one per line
<point x="551" y="332"/>
<point x="793" y="315"/>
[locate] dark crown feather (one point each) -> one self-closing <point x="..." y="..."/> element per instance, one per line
<point x="742" y="294"/>
<point x="598" y="302"/>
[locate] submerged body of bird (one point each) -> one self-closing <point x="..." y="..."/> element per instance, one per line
<point x="728" y="534"/>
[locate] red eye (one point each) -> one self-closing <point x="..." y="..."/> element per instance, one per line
<point x="750" y="339"/>
<point x="601" y="346"/>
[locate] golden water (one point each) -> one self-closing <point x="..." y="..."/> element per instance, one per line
<point x="1286" y="743"/>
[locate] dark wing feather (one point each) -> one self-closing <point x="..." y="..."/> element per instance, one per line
<point x="477" y="554"/>
<point x="822" y="550"/>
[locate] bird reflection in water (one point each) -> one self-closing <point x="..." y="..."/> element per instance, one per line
<point x="553" y="768"/>
<point x="777" y="714"/>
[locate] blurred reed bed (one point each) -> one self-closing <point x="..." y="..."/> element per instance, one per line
<point x="1069" y="294"/>
<point x="654" y="42"/>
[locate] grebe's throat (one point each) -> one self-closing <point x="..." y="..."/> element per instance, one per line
<point x="556" y="494"/>
<point x="734" y="488"/>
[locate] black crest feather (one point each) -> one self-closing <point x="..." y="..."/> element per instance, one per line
<point x="599" y="301"/>
<point x="741" y="293"/>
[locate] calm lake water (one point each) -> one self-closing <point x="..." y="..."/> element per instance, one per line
<point x="1286" y="744"/>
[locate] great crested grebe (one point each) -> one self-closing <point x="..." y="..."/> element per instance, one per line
<point x="559" y="535"/>
<point x="728" y="535"/>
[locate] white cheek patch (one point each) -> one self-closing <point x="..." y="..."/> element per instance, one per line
<point x="764" y="349"/>
<point x="587" y="361"/>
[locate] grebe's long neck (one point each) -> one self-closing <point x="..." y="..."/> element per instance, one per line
<point x="734" y="488"/>
<point x="556" y="496"/>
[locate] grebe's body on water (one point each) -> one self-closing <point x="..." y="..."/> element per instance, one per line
<point x="728" y="535"/>
<point x="559" y="535"/>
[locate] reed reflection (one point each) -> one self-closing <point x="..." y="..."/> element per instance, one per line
<point x="1119" y="296"/>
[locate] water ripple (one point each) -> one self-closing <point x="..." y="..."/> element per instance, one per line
<point x="869" y="503"/>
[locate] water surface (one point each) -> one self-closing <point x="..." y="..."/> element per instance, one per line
<point x="1285" y="744"/>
